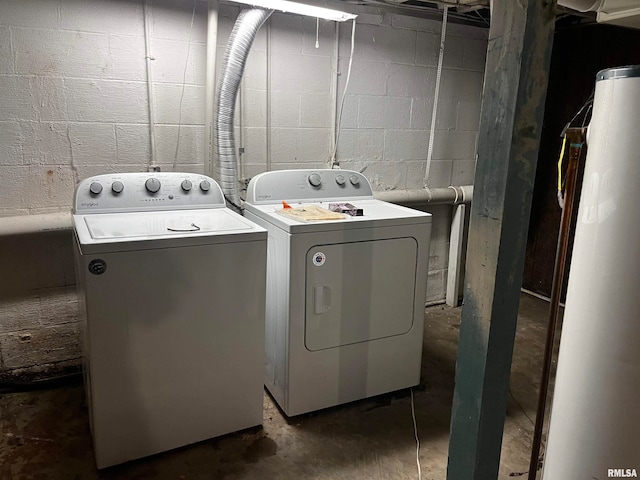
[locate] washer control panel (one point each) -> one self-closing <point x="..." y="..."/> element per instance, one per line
<point x="307" y="185"/>
<point x="124" y="192"/>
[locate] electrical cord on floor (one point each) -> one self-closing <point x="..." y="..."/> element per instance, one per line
<point x="17" y="386"/>
<point x="415" y="431"/>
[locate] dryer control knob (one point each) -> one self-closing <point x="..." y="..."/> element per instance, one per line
<point x="315" y="180"/>
<point x="354" y="180"/>
<point x="205" y="185"/>
<point x="152" y="185"/>
<point x="95" y="188"/>
<point x="117" y="187"/>
<point x="186" y="185"/>
<point x="340" y="179"/>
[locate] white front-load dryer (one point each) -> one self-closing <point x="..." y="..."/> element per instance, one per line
<point x="345" y="297"/>
<point x="173" y="287"/>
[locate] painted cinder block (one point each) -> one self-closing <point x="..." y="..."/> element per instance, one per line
<point x="254" y="107"/>
<point x="461" y="85"/>
<point x="410" y="81"/>
<point x="463" y="172"/>
<point x="361" y="144"/>
<point x="190" y="147"/>
<point x="32" y="98"/>
<point x="454" y="145"/>
<point x="15" y="194"/>
<point x="367" y="78"/>
<point x="173" y="106"/>
<point x="106" y="101"/>
<point x="475" y="54"/>
<point x="380" y="43"/>
<point x="349" y="115"/>
<point x="6" y="55"/>
<point x="255" y="71"/>
<point x="171" y="20"/>
<point x="286" y="33"/>
<point x="415" y="173"/>
<point x="436" y="285"/>
<point x="300" y="145"/>
<point x="384" y="112"/>
<point x="303" y="73"/>
<point x="454" y="51"/>
<point x="439" y="174"/>
<point x="438" y="256"/>
<point x="34" y="13"/>
<point x="51" y="186"/>
<point x="59" y="52"/>
<point x="428" y="49"/>
<point x="172" y="65"/>
<point x="469" y="115"/>
<point x="285" y="109"/>
<point x="405" y="144"/>
<point x="315" y="109"/>
<point x="132" y="143"/>
<point x="103" y="17"/>
<point x="46" y="143"/>
<point x="93" y="143"/>
<point x="11" y="141"/>
<point x="440" y="222"/>
<point x="385" y="175"/>
<point x="421" y="113"/>
<point x="255" y="146"/>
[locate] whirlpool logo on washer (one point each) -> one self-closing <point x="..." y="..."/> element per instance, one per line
<point x="319" y="258"/>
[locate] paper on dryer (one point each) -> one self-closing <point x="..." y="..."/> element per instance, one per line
<point x="310" y="213"/>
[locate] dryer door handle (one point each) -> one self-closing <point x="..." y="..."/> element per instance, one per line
<point x="321" y="299"/>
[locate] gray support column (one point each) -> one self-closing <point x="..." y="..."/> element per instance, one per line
<point x="519" y="51"/>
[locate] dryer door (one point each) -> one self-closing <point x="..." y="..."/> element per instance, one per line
<point x="360" y="291"/>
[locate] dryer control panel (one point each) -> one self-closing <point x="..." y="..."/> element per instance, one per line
<point x="307" y="185"/>
<point x="125" y="192"/>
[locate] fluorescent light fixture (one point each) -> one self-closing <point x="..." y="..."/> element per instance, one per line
<point x="300" y="9"/>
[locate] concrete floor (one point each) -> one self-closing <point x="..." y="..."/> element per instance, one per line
<point x="45" y="434"/>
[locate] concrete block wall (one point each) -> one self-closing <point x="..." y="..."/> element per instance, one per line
<point x="75" y="103"/>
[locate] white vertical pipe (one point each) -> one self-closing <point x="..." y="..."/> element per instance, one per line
<point x="210" y="87"/>
<point x="151" y="104"/>
<point x="595" y="420"/>
<point x="268" y="93"/>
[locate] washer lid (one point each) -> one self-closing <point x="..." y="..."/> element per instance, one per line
<point x="145" y="230"/>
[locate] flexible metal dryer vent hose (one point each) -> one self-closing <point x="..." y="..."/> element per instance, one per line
<point x="235" y="56"/>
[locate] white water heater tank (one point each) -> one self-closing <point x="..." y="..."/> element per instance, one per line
<point x="594" y="431"/>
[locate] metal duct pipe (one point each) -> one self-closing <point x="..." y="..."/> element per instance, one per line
<point x="244" y="31"/>
<point x="450" y="195"/>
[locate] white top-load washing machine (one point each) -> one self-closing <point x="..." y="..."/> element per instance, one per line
<point x="173" y="289"/>
<point x="345" y="297"/>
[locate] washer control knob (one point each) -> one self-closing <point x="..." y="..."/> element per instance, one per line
<point x="95" y="188"/>
<point x="186" y="185"/>
<point x="354" y="180"/>
<point x="117" y="187"/>
<point x="340" y="179"/>
<point x="205" y="185"/>
<point x="315" y="180"/>
<point x="152" y="185"/>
